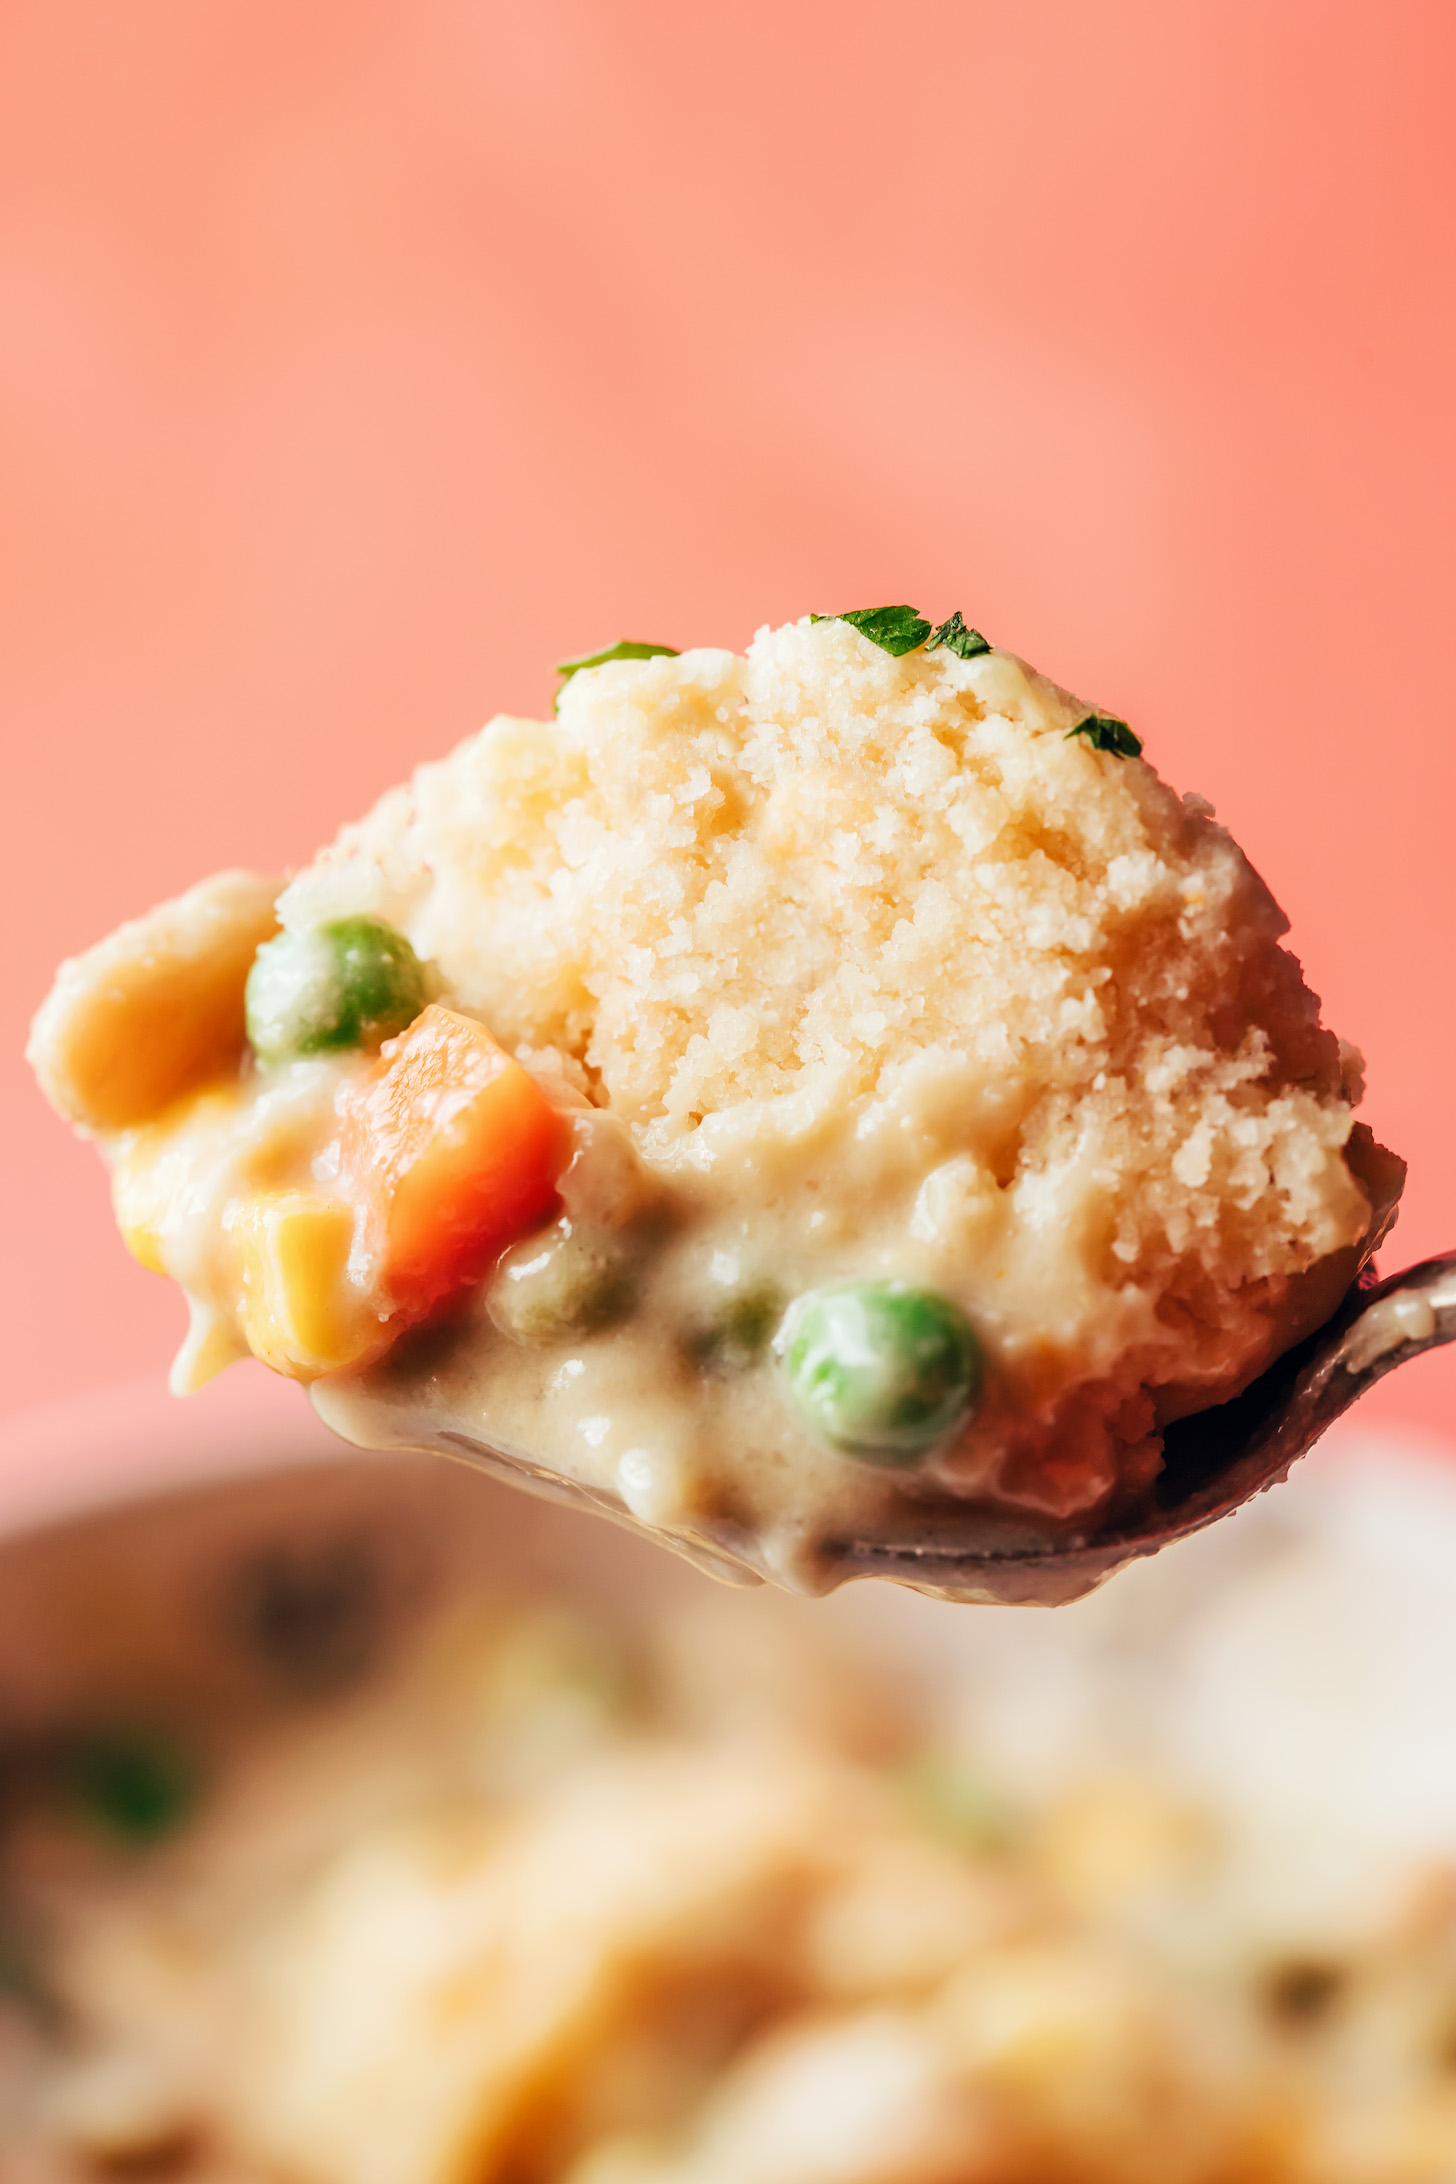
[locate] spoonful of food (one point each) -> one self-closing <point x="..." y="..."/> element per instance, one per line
<point x="835" y="1109"/>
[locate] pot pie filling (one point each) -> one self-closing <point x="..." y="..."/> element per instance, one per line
<point x="698" y="1894"/>
<point x="776" y="1092"/>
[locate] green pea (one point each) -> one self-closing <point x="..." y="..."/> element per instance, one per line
<point x="742" y="1330"/>
<point x="562" y="1281"/>
<point x="881" y="1371"/>
<point x="352" y="983"/>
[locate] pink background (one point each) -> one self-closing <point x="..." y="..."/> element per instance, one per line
<point x="362" y="357"/>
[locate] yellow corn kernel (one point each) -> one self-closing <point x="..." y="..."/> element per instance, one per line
<point x="150" y="1163"/>
<point x="297" y="1308"/>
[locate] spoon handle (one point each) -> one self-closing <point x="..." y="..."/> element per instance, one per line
<point x="1378" y="1329"/>
<point x="1215" y="1461"/>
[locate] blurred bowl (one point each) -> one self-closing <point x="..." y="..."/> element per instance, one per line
<point x="216" y="1570"/>
<point x="197" y="1563"/>
<point x="191" y="1561"/>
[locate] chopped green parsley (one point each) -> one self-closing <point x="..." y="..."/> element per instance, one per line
<point x="895" y="630"/>
<point x="967" y="644"/>
<point x="1104" y="733"/>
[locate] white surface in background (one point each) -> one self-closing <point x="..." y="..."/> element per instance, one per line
<point x="1316" y="1694"/>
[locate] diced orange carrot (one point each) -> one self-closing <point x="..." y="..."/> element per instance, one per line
<point x="456" y="1149"/>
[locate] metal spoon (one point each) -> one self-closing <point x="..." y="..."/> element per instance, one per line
<point x="955" y="1550"/>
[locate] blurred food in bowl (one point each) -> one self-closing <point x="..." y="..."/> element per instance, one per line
<point x="372" y="1825"/>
